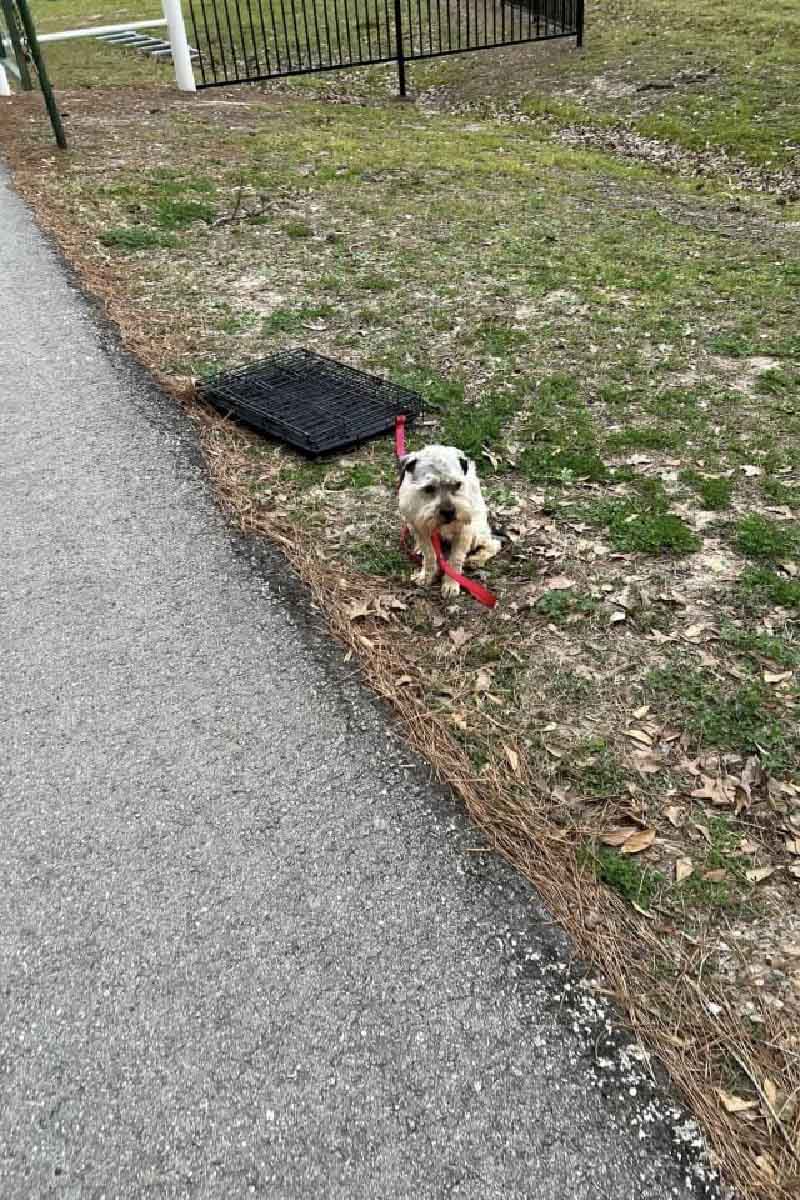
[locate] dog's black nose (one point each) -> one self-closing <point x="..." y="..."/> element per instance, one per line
<point x="448" y="514"/>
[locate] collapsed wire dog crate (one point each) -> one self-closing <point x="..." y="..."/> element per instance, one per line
<point x="244" y="41"/>
<point x="311" y="403"/>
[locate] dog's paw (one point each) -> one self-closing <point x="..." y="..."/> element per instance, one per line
<point x="484" y="552"/>
<point x="423" y="577"/>
<point x="450" y="589"/>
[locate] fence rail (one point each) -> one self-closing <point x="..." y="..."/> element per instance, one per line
<point x="244" y="41"/>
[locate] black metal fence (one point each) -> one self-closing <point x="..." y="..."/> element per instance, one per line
<point x="243" y="41"/>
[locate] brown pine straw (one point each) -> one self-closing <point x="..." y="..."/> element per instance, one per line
<point x="654" y="974"/>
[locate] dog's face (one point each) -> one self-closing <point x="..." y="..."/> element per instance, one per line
<point x="435" y="487"/>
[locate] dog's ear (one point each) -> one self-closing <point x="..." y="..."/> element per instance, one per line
<point x="464" y="464"/>
<point x="407" y="463"/>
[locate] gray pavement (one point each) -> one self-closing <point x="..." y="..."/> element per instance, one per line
<point x="242" y="948"/>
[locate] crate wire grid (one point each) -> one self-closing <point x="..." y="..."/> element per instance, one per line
<point x="312" y="403"/>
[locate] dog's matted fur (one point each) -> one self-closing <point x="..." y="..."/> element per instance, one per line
<point x="439" y="489"/>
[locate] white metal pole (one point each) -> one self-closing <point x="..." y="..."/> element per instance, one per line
<point x="184" y="75"/>
<point x="5" y="90"/>
<point x="97" y="30"/>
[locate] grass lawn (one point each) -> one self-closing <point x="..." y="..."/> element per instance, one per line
<point x="616" y="342"/>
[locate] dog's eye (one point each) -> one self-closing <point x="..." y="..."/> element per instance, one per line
<point x="456" y="487"/>
<point x="430" y="490"/>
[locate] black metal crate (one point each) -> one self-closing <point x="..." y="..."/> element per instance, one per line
<point x="310" y="402"/>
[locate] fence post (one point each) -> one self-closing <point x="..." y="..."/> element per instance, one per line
<point x="579" y="24"/>
<point x="41" y="70"/>
<point x="16" y="44"/>
<point x="181" y="59"/>
<point x="401" y="58"/>
<point x="5" y="90"/>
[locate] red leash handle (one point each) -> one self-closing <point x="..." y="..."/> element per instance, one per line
<point x="400" y="436"/>
<point x="475" y="589"/>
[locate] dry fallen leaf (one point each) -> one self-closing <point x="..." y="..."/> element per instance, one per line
<point x="713" y="790"/>
<point x="483" y="681"/>
<point x="793" y="846"/>
<point x="766" y="1166"/>
<point x="646" y="762"/>
<point x="616" y="837"/>
<point x="641" y="713"/>
<point x="459" y="637"/>
<point x="757" y="874"/>
<point x="777" y="676"/>
<point x="559" y="583"/>
<point x="735" y="1104"/>
<point x="359" y="608"/>
<point x="513" y="759"/>
<point x="388" y="600"/>
<point x="771" y="1092"/>
<point x="749" y="470"/>
<point x="746" y="846"/>
<point x="617" y="617"/>
<point x="683" y="869"/>
<point x="719" y="875"/>
<point x="675" y="815"/>
<point x="639" y="735"/>
<point x="638" y="842"/>
<point x="794" y="872"/>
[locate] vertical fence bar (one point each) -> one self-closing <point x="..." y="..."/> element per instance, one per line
<point x="41" y="70"/>
<point x="5" y="90"/>
<point x="579" y="24"/>
<point x="316" y="32"/>
<point x="264" y="36"/>
<point x="401" y="58"/>
<point x="202" y="50"/>
<point x="16" y="45"/>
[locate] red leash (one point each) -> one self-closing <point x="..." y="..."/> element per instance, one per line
<point x="475" y="589"/>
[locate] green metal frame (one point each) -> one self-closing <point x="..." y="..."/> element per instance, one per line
<point x="19" y="8"/>
<point x="12" y="26"/>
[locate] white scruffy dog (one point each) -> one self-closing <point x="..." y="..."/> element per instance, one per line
<point x="439" y="489"/>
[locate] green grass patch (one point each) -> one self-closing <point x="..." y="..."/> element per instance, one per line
<point x="594" y="771"/>
<point x="775" y="382"/>
<point x="564" y="604"/>
<point x="501" y="340"/>
<point x="135" y="237"/>
<point x="380" y="558"/>
<point x="762" y="537"/>
<point x="651" y="437"/>
<point x="179" y="214"/>
<point x="636" y="883"/>
<point x="292" y="320"/>
<point x="779" y="492"/>
<point x="642" y="523"/>
<point x="472" y="427"/>
<point x="700" y="893"/>
<point x="298" y="230"/>
<point x="766" y="586"/>
<point x="559" y="436"/>
<point x="759" y="645"/>
<point x="745" y="718"/>
<point x="715" y="491"/>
